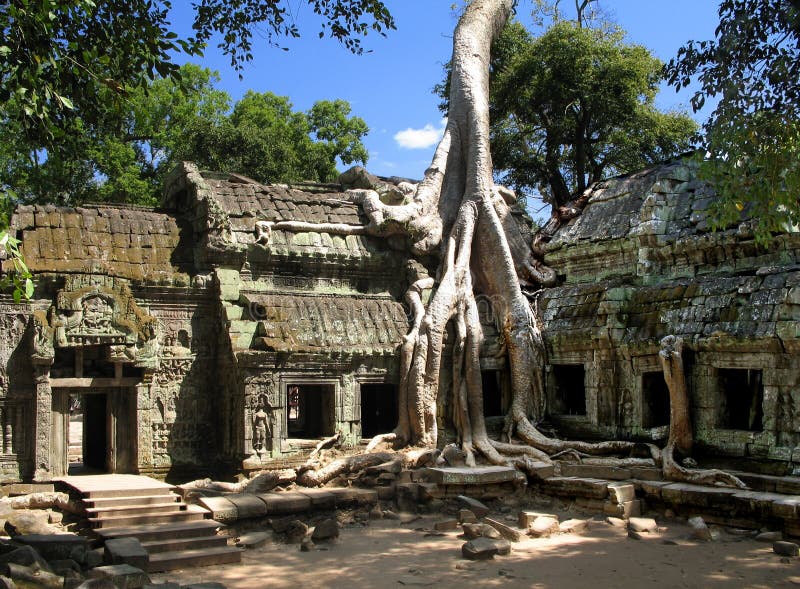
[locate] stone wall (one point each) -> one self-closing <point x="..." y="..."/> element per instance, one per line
<point x="641" y="263"/>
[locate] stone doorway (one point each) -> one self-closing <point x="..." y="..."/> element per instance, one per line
<point x="378" y="408"/>
<point x="94" y="430"/>
<point x="310" y="411"/>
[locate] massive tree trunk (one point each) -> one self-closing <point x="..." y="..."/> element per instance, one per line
<point x="458" y="214"/>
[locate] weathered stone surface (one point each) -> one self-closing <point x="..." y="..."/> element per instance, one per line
<point x="700" y="530"/>
<point x="353" y="496"/>
<point x="283" y="503"/>
<point x="543" y="527"/>
<point x="769" y="537"/>
<point x="247" y="506"/>
<point x="573" y="526"/>
<point x="57" y="546"/>
<point x="25" y="556"/>
<point x="478" y="475"/>
<point x="466" y="516"/>
<point x="320" y="498"/>
<point x="221" y="508"/>
<point x="577" y="487"/>
<point x="447" y="525"/>
<point x="786" y="548"/>
<point x="252" y="540"/>
<point x="616" y="522"/>
<point x="123" y="576"/>
<point x="509" y="533"/>
<point x="126" y="551"/>
<point x="642" y="524"/>
<point x="525" y="519"/>
<point x="479" y="509"/>
<point x="296" y="531"/>
<point x="327" y="529"/>
<point x="28" y="521"/>
<point x="478" y="530"/>
<point x="621" y="492"/>
<point x="33" y="576"/>
<point x="485" y="548"/>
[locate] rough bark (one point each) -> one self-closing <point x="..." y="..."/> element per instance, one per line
<point x="680" y="426"/>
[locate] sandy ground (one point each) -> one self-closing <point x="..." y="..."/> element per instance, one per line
<point x="388" y="554"/>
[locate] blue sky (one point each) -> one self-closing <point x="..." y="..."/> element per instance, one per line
<point x="391" y="87"/>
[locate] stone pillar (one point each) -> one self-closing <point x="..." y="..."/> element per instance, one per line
<point x="144" y="423"/>
<point x="43" y="420"/>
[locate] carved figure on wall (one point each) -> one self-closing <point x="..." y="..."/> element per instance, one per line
<point x="263" y="231"/>
<point x="96" y="315"/>
<point x="262" y="428"/>
<point x="43" y="347"/>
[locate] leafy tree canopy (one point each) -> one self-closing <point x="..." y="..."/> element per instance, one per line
<point x="574" y="105"/>
<point x="752" y="138"/>
<point x="58" y="58"/>
<point x="169" y="121"/>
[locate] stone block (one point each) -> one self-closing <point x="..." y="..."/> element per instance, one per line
<point x="525" y="519"/>
<point x="320" y="498"/>
<point x="247" y="505"/>
<point x="642" y="524"/>
<point x="479" y="475"/>
<point x="57" y="546"/>
<point x="624" y="510"/>
<point x="611" y="473"/>
<point x="124" y="576"/>
<point x="221" y="509"/>
<point x="485" y="548"/>
<point x="543" y="527"/>
<point x="466" y="516"/>
<point x="354" y="496"/>
<point x="479" y="509"/>
<point x="786" y="548"/>
<point x="509" y="533"/>
<point x="252" y="540"/>
<point x="446" y="525"/>
<point x="540" y="470"/>
<point x="700" y="530"/>
<point x="16" y="489"/>
<point x="573" y="526"/>
<point x="577" y="487"/>
<point x="126" y="551"/>
<point x="25" y="556"/>
<point x="327" y="529"/>
<point x="621" y="492"/>
<point x="284" y="503"/>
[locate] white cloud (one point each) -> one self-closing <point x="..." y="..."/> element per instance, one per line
<point x="420" y="138"/>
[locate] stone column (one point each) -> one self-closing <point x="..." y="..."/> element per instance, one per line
<point x="43" y="420"/>
<point x="144" y="425"/>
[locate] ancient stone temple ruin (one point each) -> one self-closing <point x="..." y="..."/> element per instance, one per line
<point x="198" y="339"/>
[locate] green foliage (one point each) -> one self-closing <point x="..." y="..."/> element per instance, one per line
<point x="752" y="137"/>
<point x="18" y="278"/>
<point x="268" y="141"/>
<point x="187" y="119"/>
<point x="574" y="105"/>
<point x="75" y="77"/>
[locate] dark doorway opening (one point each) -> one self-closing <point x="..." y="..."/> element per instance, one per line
<point x="492" y="393"/>
<point x="88" y="433"/>
<point x="570" y="389"/>
<point x="310" y="409"/>
<point x="741" y="399"/>
<point x="378" y="409"/>
<point x="655" y="400"/>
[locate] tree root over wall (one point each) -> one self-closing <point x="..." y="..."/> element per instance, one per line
<point x="458" y="216"/>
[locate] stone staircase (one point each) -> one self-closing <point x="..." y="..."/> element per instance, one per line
<point x="176" y="535"/>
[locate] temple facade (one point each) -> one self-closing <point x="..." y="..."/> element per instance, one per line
<point x="196" y="338"/>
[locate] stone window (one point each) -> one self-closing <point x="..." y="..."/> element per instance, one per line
<point x="378" y="408"/>
<point x="570" y="389"/>
<point x="655" y="400"/>
<point x="741" y="399"/>
<point x="310" y="410"/>
<point x="492" y="393"/>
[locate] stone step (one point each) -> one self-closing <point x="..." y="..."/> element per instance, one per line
<point x="107" y="493"/>
<point x="128" y="500"/>
<point x="180" y="544"/>
<point x="192" y="513"/>
<point x="169" y="561"/>
<point x="589" y="488"/>
<point x="115" y="510"/>
<point x="162" y="532"/>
